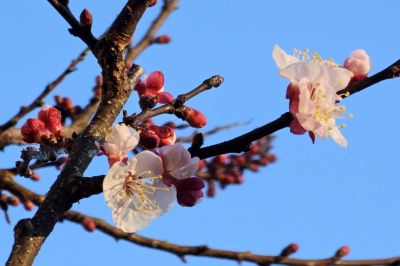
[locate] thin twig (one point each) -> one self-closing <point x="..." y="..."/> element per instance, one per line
<point x="49" y="88"/>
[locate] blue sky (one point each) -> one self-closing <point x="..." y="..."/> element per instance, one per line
<point x="321" y="196"/>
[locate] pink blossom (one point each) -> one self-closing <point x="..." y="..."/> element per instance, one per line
<point x="179" y="171"/>
<point x="312" y="93"/>
<point x="118" y="142"/>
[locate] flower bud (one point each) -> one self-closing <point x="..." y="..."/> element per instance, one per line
<point x="35" y="176"/>
<point x="342" y="251"/>
<point x="149" y="139"/>
<point x="155" y="81"/>
<point x="34" y="131"/>
<point x="52" y="119"/>
<point x="28" y="205"/>
<point x="189" y="191"/>
<point x="163" y="39"/>
<point x="89" y="224"/>
<point x="166" y="134"/>
<point x="152" y="3"/>
<point x="194" y="117"/>
<point x="14" y="201"/>
<point x="358" y="62"/>
<point x="289" y="250"/>
<point x="86" y="18"/>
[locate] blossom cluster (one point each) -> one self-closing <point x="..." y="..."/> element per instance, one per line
<point x="145" y="186"/>
<point x="46" y="129"/>
<point x="313" y="88"/>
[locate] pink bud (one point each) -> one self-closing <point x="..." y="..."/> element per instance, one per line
<point x="34" y="131"/>
<point x="28" y="205"/>
<point x="155" y="81"/>
<point x="86" y="18"/>
<point x="165" y="97"/>
<point x="343" y="251"/>
<point x="14" y="201"/>
<point x="35" y="176"/>
<point x="358" y="62"/>
<point x="152" y="3"/>
<point x="166" y="134"/>
<point x="52" y="119"/>
<point x="195" y="118"/>
<point x="189" y="190"/>
<point x="89" y="224"/>
<point x="289" y="250"/>
<point x="163" y="39"/>
<point x="149" y="139"/>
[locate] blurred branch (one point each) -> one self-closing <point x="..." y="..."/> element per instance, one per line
<point x="7" y="182"/>
<point x="39" y="100"/>
<point x="168" y="7"/>
<point x="211" y="132"/>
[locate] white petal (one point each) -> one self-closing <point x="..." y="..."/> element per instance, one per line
<point x="147" y="164"/>
<point x="312" y="71"/>
<point x="338" y="137"/>
<point x="281" y="58"/>
<point x="339" y="77"/>
<point x="164" y="199"/>
<point x="175" y="156"/>
<point x="113" y="184"/>
<point x="128" y="219"/>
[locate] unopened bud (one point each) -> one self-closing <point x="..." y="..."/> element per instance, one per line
<point x="342" y="251"/>
<point x="86" y="18"/>
<point x="89" y="224"/>
<point x="358" y="62"/>
<point x="34" y="130"/>
<point x="52" y="119"/>
<point x="289" y="250"/>
<point x="149" y="139"/>
<point x="35" y="176"/>
<point x="194" y="117"/>
<point x="28" y="205"/>
<point x="14" y="201"/>
<point x="152" y="3"/>
<point x="163" y="39"/>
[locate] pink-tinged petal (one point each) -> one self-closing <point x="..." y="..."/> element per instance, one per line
<point x="358" y="62"/>
<point x="155" y="81"/>
<point x="174" y="156"/>
<point x="165" y="97"/>
<point x="296" y="128"/>
<point x="148" y="164"/>
<point x="281" y="58"/>
<point x="339" y="77"/>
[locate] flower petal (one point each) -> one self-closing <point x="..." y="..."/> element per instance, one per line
<point x="281" y="58"/>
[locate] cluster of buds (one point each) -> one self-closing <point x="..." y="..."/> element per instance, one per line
<point x="151" y="90"/>
<point x="46" y="129"/>
<point x="153" y="136"/>
<point x="229" y="169"/>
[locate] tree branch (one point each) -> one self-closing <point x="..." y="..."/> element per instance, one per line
<point x="6" y="182"/>
<point x="168" y="7"/>
<point x="39" y="100"/>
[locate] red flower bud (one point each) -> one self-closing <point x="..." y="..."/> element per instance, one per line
<point x="343" y="251"/>
<point x="166" y="134"/>
<point x="163" y="39"/>
<point x="35" y="176"/>
<point x="194" y="117"/>
<point x="152" y="3"/>
<point x="52" y="119"/>
<point x="34" y="131"/>
<point x="28" y="205"/>
<point x="149" y="139"/>
<point x="289" y="250"/>
<point x="155" y="81"/>
<point x="189" y="190"/>
<point x="14" y="201"/>
<point x="89" y="224"/>
<point x="86" y="18"/>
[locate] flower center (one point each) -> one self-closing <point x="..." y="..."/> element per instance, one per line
<point x="303" y="56"/>
<point x="143" y="188"/>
